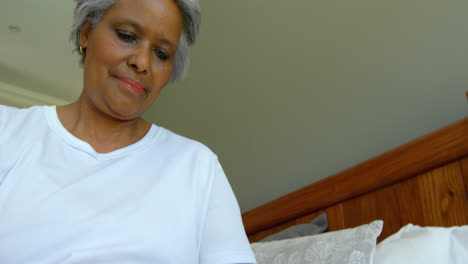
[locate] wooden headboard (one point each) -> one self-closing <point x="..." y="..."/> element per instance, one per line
<point x="424" y="182"/>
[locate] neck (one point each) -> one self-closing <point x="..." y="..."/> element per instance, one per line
<point x="104" y="133"/>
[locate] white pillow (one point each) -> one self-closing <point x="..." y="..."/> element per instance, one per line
<point x="348" y="246"/>
<point x="426" y="245"/>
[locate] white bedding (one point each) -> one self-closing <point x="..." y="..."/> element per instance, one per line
<point x="424" y="245"/>
<point x="411" y="244"/>
<point x="348" y="246"/>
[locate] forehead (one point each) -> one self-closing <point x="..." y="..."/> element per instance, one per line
<point x="162" y="5"/>
<point x="149" y="14"/>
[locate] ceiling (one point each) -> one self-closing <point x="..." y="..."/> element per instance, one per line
<point x="285" y="92"/>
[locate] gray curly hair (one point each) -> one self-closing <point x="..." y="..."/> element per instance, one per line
<point x="92" y="10"/>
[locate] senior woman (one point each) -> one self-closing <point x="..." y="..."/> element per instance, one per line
<point x="92" y="182"/>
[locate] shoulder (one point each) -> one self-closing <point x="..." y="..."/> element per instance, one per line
<point x="186" y="156"/>
<point x="7" y="112"/>
<point x="10" y="111"/>
<point x="18" y="128"/>
<point x="184" y="144"/>
<point x="11" y="117"/>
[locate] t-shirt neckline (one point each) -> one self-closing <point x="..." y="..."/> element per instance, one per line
<point x="55" y="124"/>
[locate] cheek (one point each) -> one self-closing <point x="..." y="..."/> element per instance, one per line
<point x="103" y="54"/>
<point x="162" y="73"/>
<point x="161" y="76"/>
<point x="108" y="52"/>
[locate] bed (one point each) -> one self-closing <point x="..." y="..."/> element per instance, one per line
<point x="423" y="183"/>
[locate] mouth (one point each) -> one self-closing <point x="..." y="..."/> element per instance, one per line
<point x="132" y="85"/>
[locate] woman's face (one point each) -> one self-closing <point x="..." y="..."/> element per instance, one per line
<point x="129" y="55"/>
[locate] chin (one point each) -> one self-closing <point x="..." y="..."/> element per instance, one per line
<point x="124" y="113"/>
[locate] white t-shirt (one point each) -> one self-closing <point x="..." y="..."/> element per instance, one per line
<point x="164" y="199"/>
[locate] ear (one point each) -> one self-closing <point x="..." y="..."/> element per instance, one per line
<point x="84" y="34"/>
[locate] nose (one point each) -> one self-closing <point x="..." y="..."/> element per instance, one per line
<point x="139" y="60"/>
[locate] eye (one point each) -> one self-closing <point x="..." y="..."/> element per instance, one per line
<point x="161" y="54"/>
<point x="125" y="36"/>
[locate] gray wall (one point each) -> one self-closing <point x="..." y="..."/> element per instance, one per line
<point x="289" y="92"/>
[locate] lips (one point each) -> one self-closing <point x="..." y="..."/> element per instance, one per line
<point x="132" y="85"/>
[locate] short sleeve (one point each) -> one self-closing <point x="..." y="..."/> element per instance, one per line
<point x="223" y="238"/>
